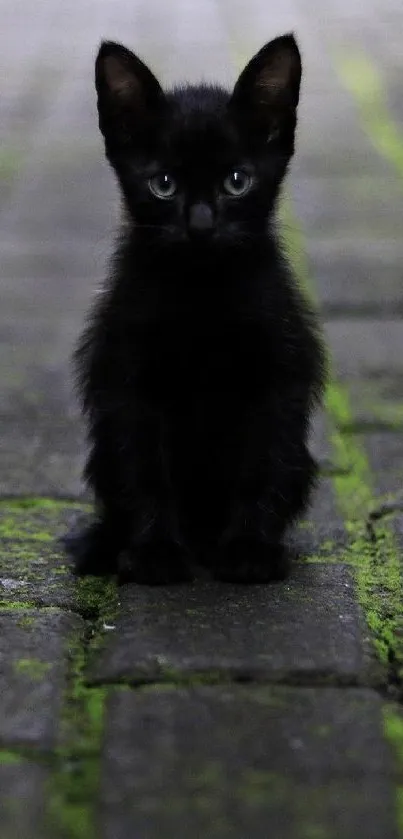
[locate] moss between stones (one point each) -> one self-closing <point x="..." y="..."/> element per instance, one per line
<point x="164" y="677"/>
<point x="34" y="519"/>
<point x="319" y="559"/>
<point x="375" y="561"/>
<point x="74" y="784"/>
<point x="9" y="758"/>
<point x="22" y="605"/>
<point x="74" y="765"/>
<point x="37" y="502"/>
<point x="96" y="597"/>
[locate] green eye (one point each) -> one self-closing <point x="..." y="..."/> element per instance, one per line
<point x="162" y="186"/>
<point x="237" y="183"/>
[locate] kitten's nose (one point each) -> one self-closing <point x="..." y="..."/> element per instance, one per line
<point x="201" y="221"/>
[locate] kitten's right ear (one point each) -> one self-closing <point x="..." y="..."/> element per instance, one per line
<point x="268" y="88"/>
<point x="128" y="92"/>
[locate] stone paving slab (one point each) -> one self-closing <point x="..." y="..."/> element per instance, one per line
<point x="34" y="647"/>
<point x="357" y="276"/>
<point x="230" y="762"/>
<point x="370" y="205"/>
<point x="326" y="151"/>
<point x="321" y="535"/>
<point x="38" y="574"/>
<point x="366" y="347"/>
<point x="306" y="627"/>
<point x="32" y="266"/>
<point x="42" y="454"/>
<point x="30" y="467"/>
<point x="385" y="454"/>
<point x="34" y="567"/>
<point x="23" y="788"/>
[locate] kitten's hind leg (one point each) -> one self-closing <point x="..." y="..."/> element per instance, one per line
<point x="95" y="549"/>
<point x="272" y="492"/>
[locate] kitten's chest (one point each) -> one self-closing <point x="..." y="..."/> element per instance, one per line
<point x="199" y="355"/>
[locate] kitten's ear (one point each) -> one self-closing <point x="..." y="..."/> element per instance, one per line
<point x="269" y="85"/>
<point x="127" y="90"/>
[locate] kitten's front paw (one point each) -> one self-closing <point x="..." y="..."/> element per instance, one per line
<point x="92" y="549"/>
<point x="250" y="560"/>
<point x="154" y="563"/>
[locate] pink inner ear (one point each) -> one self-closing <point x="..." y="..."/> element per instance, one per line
<point x="119" y="80"/>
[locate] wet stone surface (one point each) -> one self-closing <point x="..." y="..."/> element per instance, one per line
<point x="231" y="761"/>
<point x="33" y="664"/>
<point x="23" y="791"/>
<point x="307" y="626"/>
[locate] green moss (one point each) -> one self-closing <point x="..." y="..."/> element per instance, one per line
<point x="34" y="519"/>
<point x="9" y="758"/>
<point x="10" y="162"/>
<point x="16" y="605"/>
<point x="96" y="597"/>
<point x="35" y="503"/>
<point x="74" y="782"/>
<point x="330" y="552"/>
<point x="75" y="764"/>
<point x="319" y="559"/>
<point x="33" y="668"/>
<point x="328" y="545"/>
<point x="11" y="529"/>
<point x="26" y="621"/>
<point x="258" y="788"/>
<point x="322" y="731"/>
<point x="20" y="553"/>
<point x="364" y="82"/>
<point x="305" y="525"/>
<point x="313" y="831"/>
<point x="376" y="563"/>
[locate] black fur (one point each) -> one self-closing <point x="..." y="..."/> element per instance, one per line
<point x="201" y="363"/>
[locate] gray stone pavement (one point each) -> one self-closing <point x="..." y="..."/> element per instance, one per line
<point x="207" y="710"/>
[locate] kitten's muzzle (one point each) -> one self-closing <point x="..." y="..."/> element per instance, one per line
<point x="201" y="221"/>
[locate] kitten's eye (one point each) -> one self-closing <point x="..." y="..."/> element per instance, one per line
<point x="162" y="186"/>
<point x="237" y="183"/>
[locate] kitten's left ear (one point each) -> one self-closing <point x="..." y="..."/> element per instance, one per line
<point x="269" y="85"/>
<point x="128" y="92"/>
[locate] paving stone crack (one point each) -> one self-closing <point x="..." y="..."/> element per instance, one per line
<point x="74" y="782"/>
<point x="291" y="678"/>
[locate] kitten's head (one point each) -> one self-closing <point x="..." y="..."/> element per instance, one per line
<point x="199" y="163"/>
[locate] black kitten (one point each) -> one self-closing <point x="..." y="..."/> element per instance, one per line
<point x="201" y="364"/>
